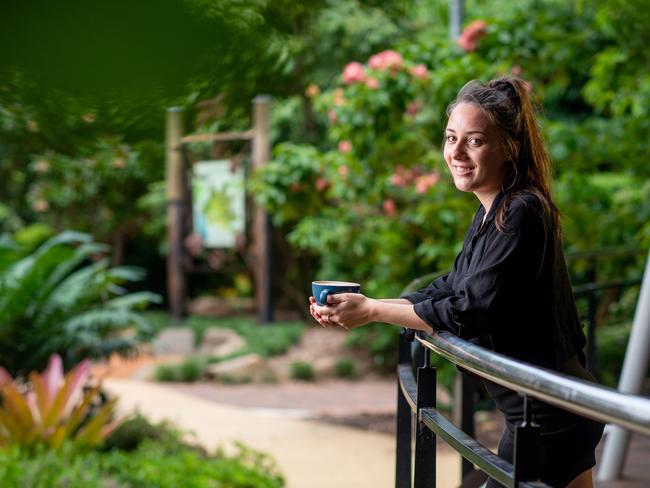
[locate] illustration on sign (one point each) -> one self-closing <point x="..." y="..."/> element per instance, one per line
<point x="218" y="202"/>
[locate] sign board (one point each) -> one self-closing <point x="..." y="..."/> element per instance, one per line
<point x="218" y="202"/>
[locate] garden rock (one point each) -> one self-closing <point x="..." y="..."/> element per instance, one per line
<point x="219" y="342"/>
<point x="325" y="367"/>
<point x="250" y="365"/>
<point x="174" y="340"/>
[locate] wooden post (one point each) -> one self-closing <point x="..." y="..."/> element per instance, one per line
<point x="175" y="195"/>
<point x="262" y="255"/>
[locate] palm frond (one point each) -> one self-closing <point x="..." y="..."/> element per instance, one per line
<point x="134" y="300"/>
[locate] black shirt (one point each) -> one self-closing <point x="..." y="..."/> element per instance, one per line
<point x="509" y="290"/>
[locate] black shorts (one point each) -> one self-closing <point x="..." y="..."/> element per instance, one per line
<point x="563" y="453"/>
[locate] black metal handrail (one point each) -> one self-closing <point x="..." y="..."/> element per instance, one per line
<point x="569" y="393"/>
<point x="418" y="396"/>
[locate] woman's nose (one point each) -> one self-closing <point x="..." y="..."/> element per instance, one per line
<point x="458" y="151"/>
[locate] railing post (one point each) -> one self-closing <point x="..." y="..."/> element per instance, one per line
<point x="404" y="418"/>
<point x="425" y="440"/>
<point x="524" y="460"/>
<point x="465" y="389"/>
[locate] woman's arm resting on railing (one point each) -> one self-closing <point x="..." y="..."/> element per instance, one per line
<point x="352" y="310"/>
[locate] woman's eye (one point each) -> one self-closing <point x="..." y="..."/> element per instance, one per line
<point x="451" y="138"/>
<point x="475" y="142"/>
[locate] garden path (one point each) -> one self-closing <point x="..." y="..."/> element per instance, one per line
<point x="310" y="454"/>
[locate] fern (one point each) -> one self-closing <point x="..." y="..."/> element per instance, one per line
<point x="57" y="301"/>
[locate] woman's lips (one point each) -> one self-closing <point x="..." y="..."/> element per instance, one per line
<point x="462" y="170"/>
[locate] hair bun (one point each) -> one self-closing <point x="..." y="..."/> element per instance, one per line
<point x="503" y="84"/>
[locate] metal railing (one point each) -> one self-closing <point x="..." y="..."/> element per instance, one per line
<point x="418" y="395"/>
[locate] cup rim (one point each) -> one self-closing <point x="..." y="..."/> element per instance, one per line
<point x="334" y="283"/>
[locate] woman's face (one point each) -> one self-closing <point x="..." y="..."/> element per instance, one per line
<point x="474" y="153"/>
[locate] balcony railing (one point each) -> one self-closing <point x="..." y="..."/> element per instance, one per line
<point x="417" y="395"/>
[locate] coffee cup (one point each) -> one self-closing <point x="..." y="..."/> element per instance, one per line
<point x="322" y="289"/>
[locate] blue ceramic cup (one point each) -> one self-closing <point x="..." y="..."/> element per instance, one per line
<point x="322" y="289"/>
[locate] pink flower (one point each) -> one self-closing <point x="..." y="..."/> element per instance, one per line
<point x="345" y="146"/>
<point x="470" y="36"/>
<point x="119" y="163"/>
<point x="354" y="73"/>
<point x="321" y="183"/>
<point x="419" y="71"/>
<point x="372" y="83"/>
<point x="389" y="207"/>
<point x="312" y="90"/>
<point x="413" y="107"/>
<point x="424" y="182"/>
<point x="398" y="180"/>
<point x="331" y="115"/>
<point x="386" y="60"/>
<point x="516" y="70"/>
<point x="466" y="43"/>
<point x="344" y="170"/>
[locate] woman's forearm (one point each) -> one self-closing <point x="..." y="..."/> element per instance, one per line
<point x="401" y="301"/>
<point x="399" y="312"/>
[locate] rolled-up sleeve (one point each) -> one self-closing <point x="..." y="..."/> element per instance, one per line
<point x="471" y="304"/>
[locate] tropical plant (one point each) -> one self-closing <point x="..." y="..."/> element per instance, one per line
<point x="64" y="298"/>
<point x="52" y="409"/>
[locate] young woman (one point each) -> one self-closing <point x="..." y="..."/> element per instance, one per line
<point x="509" y="288"/>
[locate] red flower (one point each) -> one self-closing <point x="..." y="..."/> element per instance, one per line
<point x="321" y="183"/>
<point x="372" y="83"/>
<point x="354" y="73"/>
<point x="424" y="182"/>
<point x="419" y="71"/>
<point x="389" y="207"/>
<point x="386" y="60"/>
<point x="345" y="146"/>
<point x="413" y="107"/>
<point x="470" y="36"/>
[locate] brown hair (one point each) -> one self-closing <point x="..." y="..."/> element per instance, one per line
<point x="506" y="102"/>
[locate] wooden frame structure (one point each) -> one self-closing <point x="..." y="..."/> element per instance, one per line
<point x="175" y="177"/>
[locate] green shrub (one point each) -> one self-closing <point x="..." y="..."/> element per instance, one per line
<point x="165" y="373"/>
<point x="301" y="370"/>
<point x="346" y="368"/>
<point x="191" y="370"/>
<point x="188" y="371"/>
<point x="153" y="464"/>
<point x="133" y="431"/>
<point x="234" y="379"/>
<point x="51" y="469"/>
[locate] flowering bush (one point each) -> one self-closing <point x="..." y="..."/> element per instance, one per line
<point x="376" y="206"/>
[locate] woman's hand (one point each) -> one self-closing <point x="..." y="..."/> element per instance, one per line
<point x="347" y="310"/>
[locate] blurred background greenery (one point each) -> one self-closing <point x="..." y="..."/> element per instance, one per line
<point x="357" y="188"/>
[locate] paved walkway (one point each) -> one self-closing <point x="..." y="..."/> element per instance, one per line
<point x="310" y="454"/>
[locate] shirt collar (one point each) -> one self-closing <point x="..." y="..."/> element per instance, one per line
<point x="482" y="225"/>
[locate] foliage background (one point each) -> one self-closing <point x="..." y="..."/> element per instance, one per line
<point x="356" y="188"/>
